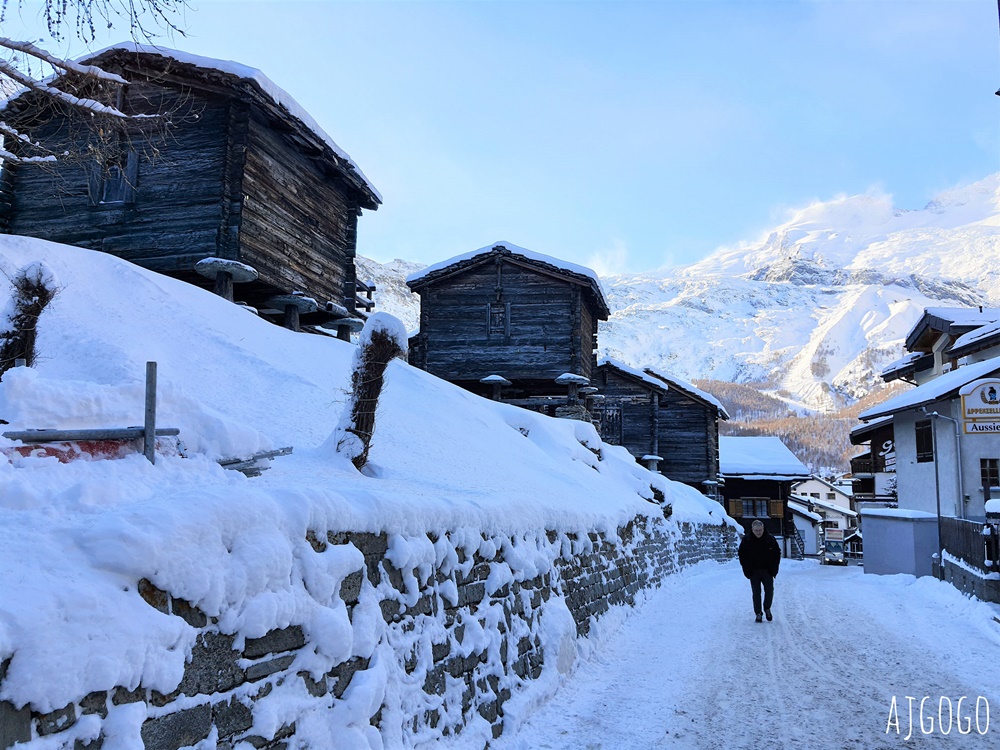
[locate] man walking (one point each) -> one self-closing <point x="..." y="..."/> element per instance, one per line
<point x="760" y="557"/>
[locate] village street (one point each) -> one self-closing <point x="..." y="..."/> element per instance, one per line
<point x="691" y="668"/>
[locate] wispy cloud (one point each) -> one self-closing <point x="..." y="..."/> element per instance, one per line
<point x="610" y="261"/>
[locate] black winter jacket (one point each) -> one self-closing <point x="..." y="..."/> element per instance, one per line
<point x="759" y="554"/>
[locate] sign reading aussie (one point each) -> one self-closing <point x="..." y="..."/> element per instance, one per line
<point x="981" y="406"/>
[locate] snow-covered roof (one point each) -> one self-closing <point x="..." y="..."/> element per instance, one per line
<point x="803" y="511"/>
<point x="827" y="506"/>
<point x="870" y="425"/>
<point x="903" y="363"/>
<point x="825" y="483"/>
<point x="691" y="390"/>
<point x="945" y="318"/>
<point x="512" y="249"/>
<point x="933" y="390"/>
<point x="981" y="335"/>
<point x="758" y="457"/>
<point x="652" y="382"/>
<point x="965" y="316"/>
<point x="272" y="91"/>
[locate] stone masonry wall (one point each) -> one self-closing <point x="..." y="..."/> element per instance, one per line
<point x="447" y="630"/>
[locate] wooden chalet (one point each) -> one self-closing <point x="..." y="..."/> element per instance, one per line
<point x="666" y="423"/>
<point x="228" y="167"/>
<point x="504" y="311"/>
<point x="758" y="474"/>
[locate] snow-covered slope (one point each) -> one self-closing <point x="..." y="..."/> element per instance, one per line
<point x="813" y="309"/>
<point x="77" y="536"/>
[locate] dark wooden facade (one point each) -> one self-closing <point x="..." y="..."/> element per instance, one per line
<point x="506" y="311"/>
<point x="235" y="175"/>
<point x="769" y="497"/>
<point x="651" y="415"/>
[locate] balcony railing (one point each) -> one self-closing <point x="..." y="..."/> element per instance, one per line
<point x="862" y="466"/>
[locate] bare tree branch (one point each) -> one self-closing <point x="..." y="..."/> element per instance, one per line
<point x="91" y="71"/>
<point x="35" y="85"/>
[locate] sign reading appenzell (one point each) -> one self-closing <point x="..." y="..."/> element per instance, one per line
<point x="981" y="407"/>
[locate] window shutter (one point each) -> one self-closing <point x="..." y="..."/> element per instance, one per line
<point x="95" y="180"/>
<point x="777" y="509"/>
<point x="735" y="508"/>
<point x="131" y="176"/>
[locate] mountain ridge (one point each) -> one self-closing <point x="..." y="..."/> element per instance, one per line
<point x="813" y="309"/>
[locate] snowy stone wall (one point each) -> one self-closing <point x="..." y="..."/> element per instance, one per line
<point x="452" y="633"/>
<point x="969" y="580"/>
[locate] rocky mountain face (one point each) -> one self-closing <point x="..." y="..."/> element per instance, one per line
<point x="809" y="313"/>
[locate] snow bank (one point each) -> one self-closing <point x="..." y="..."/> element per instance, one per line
<point x="81" y="535"/>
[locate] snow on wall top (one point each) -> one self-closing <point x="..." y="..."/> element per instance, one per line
<point x="933" y="389"/>
<point x="85" y="532"/>
<point x="244" y="72"/>
<point x="515" y="250"/>
<point x="751" y="456"/>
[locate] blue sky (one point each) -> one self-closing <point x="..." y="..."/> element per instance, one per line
<point x="627" y="136"/>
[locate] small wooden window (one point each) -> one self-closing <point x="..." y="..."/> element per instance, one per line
<point x="754" y="507"/>
<point x="498" y="319"/>
<point x="735" y="508"/>
<point x="777" y="509"/>
<point x="925" y="441"/>
<point x="611" y="425"/>
<point x="114" y="181"/>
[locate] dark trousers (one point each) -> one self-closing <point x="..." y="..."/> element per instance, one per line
<point x="758" y="578"/>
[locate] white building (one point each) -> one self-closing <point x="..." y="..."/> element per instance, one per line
<point x="946" y="436"/>
<point x="819" y="489"/>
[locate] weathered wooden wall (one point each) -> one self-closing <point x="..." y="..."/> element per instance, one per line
<point x="550" y="329"/>
<point x="226" y="181"/>
<point x="686" y="431"/>
<point x="689" y="439"/>
<point x="174" y="219"/>
<point x="635" y="402"/>
<point x="298" y="225"/>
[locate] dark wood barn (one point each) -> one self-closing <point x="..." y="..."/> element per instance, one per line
<point x="665" y="423"/>
<point x="503" y="310"/>
<point x="758" y="474"/>
<point x="231" y="167"/>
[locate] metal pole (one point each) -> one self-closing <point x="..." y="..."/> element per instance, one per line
<point x="937" y="482"/>
<point x="958" y="451"/>
<point x="149" y="425"/>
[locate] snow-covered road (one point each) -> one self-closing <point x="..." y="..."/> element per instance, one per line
<point x="691" y="668"/>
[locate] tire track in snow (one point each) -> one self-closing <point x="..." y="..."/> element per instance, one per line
<point x="691" y="669"/>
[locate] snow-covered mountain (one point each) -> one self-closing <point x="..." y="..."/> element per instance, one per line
<point x="814" y="309"/>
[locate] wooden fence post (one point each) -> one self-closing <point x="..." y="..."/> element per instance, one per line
<point x="149" y="425"/>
